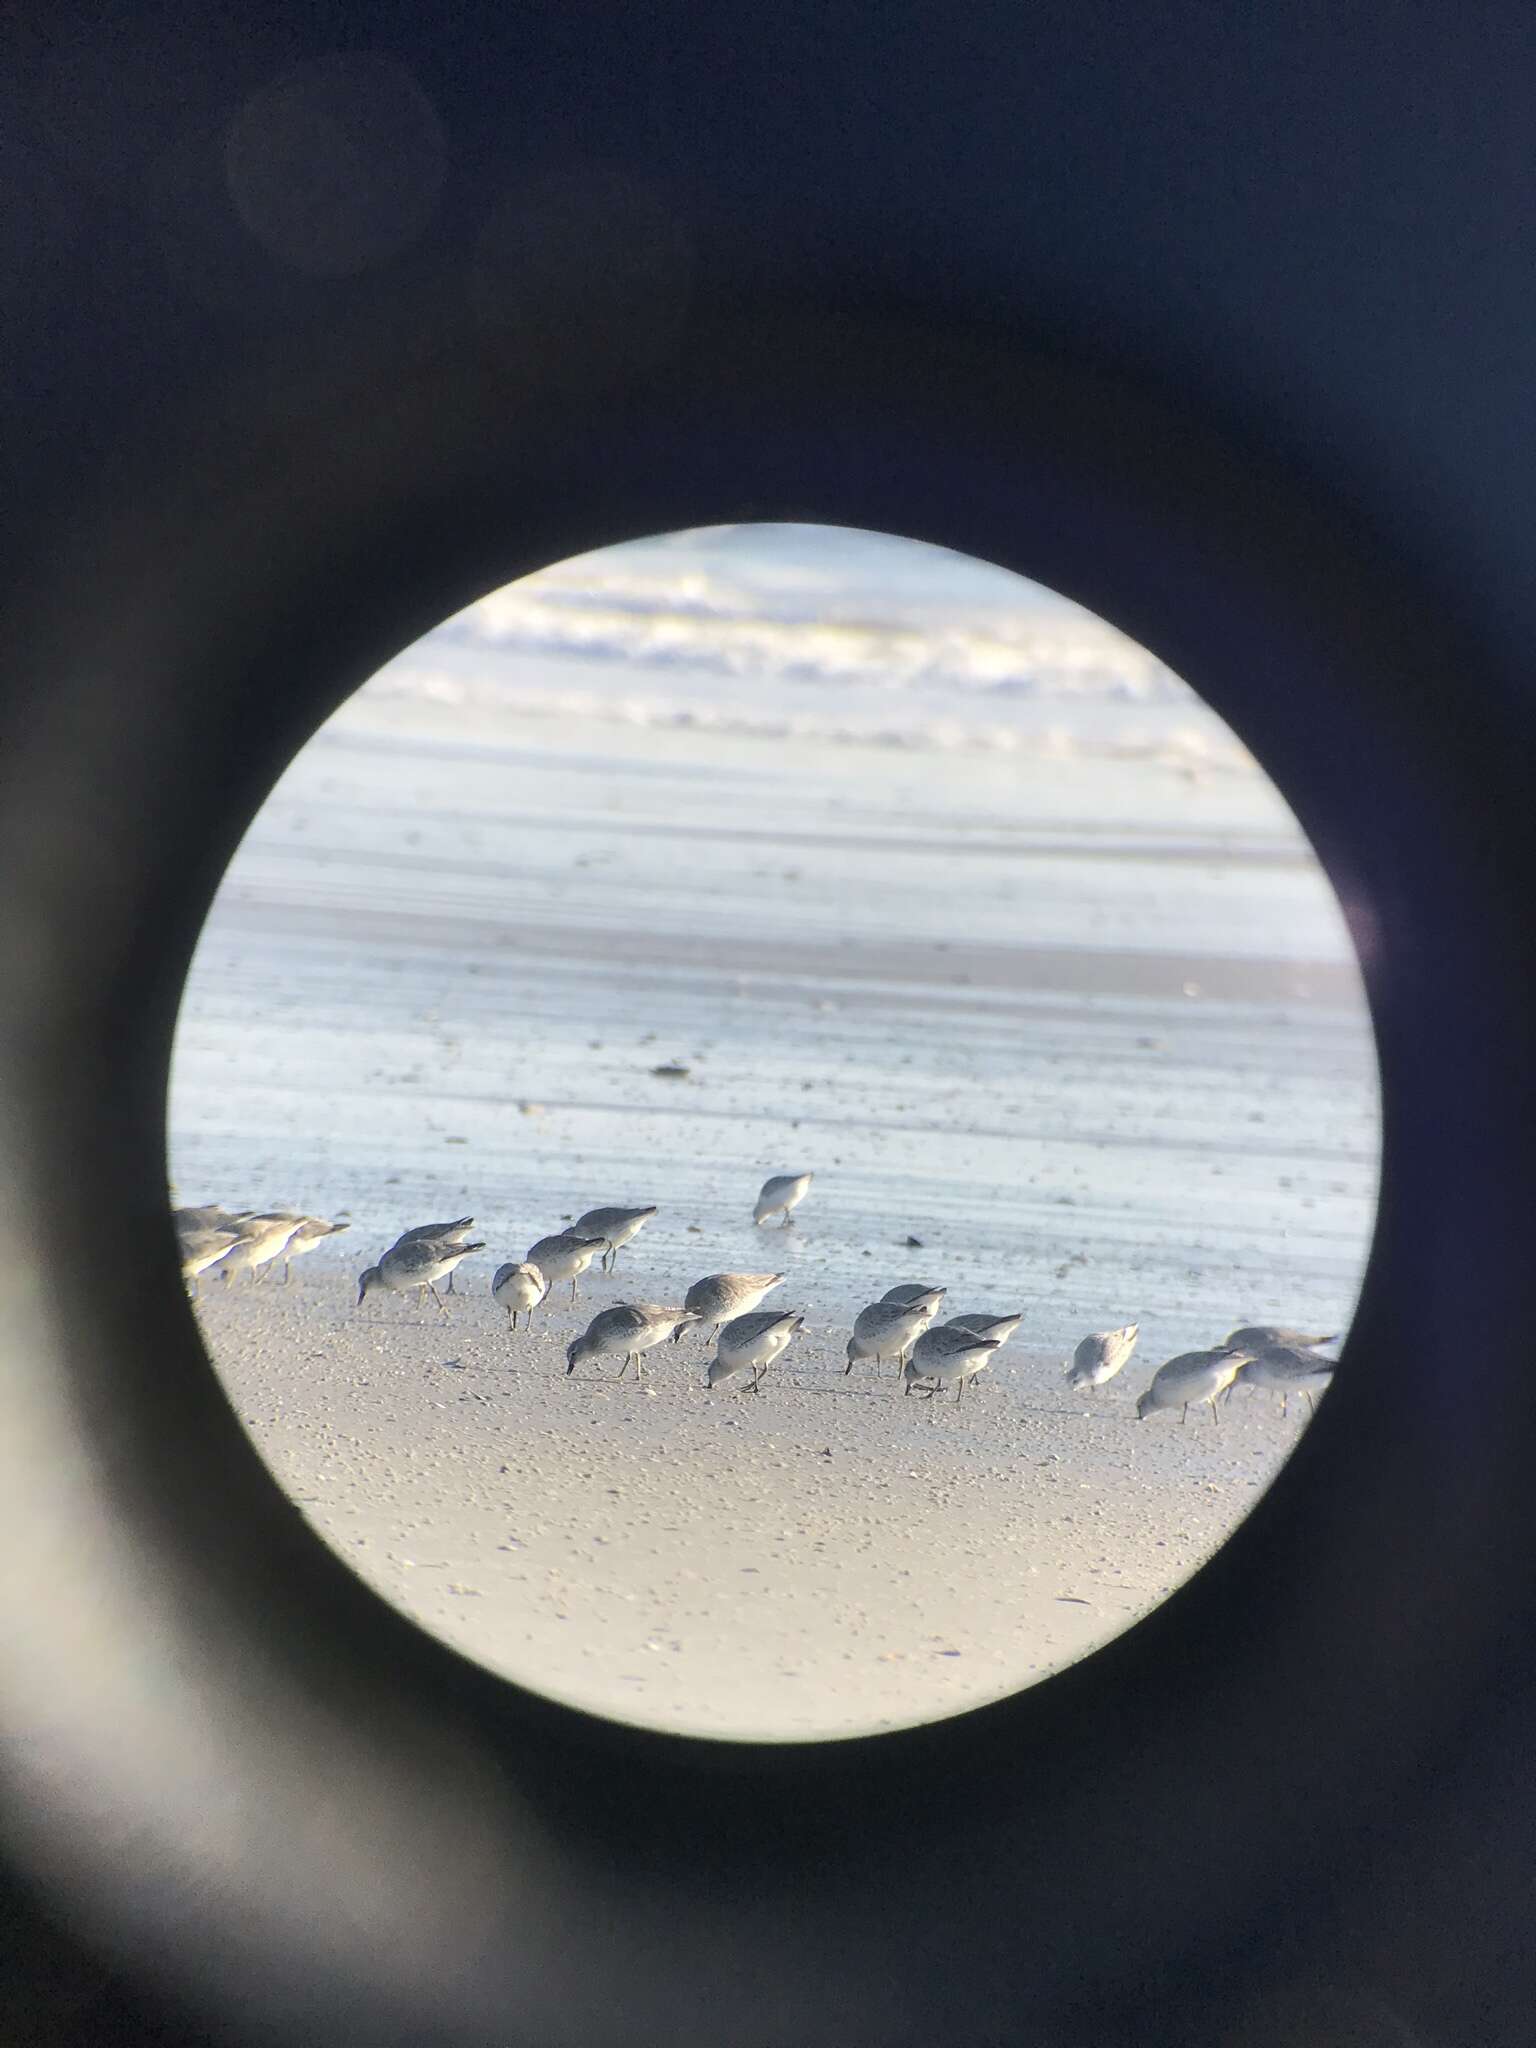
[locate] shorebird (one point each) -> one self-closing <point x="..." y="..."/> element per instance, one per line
<point x="1000" y="1328"/>
<point x="259" y="1239"/>
<point x="200" y="1249"/>
<point x="719" y="1296"/>
<point x="565" y="1256"/>
<point x="447" y="1233"/>
<point x="1194" y="1376"/>
<point x="614" y="1226"/>
<point x="311" y="1230"/>
<point x="888" y="1329"/>
<point x="440" y="1233"/>
<point x="908" y="1291"/>
<point x="1288" y="1371"/>
<point x="750" y="1344"/>
<point x="1099" y="1357"/>
<point x="781" y="1193"/>
<point x="946" y="1356"/>
<point x="1269" y="1336"/>
<point x="518" y="1287"/>
<point x="416" y="1264"/>
<point x="209" y="1217"/>
<point x="629" y="1326"/>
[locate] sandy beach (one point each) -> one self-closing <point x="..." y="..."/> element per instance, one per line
<point x="1082" y="1021"/>
<point x="823" y="1559"/>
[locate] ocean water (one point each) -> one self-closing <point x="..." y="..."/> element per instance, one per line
<point x="819" y="633"/>
<point x="933" y="884"/>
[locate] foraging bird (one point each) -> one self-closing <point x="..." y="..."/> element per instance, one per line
<point x="1267" y="1336"/>
<point x="907" y="1291"/>
<point x="416" y="1264"/>
<point x="1288" y="1371"/>
<point x="440" y="1233"/>
<point x="311" y="1230"/>
<point x="1099" y="1357"/>
<point x="888" y="1329"/>
<point x="209" y="1217"/>
<point x="629" y="1326"/>
<point x="448" y="1233"/>
<point x="200" y="1249"/>
<point x="718" y="1297"/>
<point x="259" y="1239"/>
<point x="781" y="1193"/>
<point x="565" y="1256"/>
<point x="1000" y="1328"/>
<point x="1194" y="1376"/>
<point x="750" y="1344"/>
<point x="518" y="1287"/>
<point x="948" y="1356"/>
<point x="614" y="1226"/>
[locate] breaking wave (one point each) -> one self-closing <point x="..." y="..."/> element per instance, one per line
<point x="815" y="634"/>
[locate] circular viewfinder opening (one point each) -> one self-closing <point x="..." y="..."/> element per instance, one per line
<point x="742" y="927"/>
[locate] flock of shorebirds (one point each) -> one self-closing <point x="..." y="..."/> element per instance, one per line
<point x="901" y="1327"/>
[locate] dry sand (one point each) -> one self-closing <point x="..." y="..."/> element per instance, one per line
<point x="827" y="1557"/>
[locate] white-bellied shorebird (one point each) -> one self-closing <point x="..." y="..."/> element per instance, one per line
<point x="1272" y="1336"/>
<point x="211" y="1216"/>
<point x="889" y="1329"/>
<point x="1099" y="1357"/>
<point x="632" y="1327"/>
<point x="780" y="1193"/>
<point x="311" y="1230"/>
<point x="748" y="1345"/>
<point x="201" y="1248"/>
<point x="446" y="1233"/>
<point x="981" y="1324"/>
<point x="614" y="1226"/>
<point x="440" y="1233"/>
<point x="1194" y="1376"/>
<point x="565" y="1256"/>
<point x="1285" y="1370"/>
<point x="948" y="1357"/>
<point x="907" y="1291"/>
<point x="419" y="1265"/>
<point x="259" y="1239"/>
<point x="719" y="1297"/>
<point x="519" y="1288"/>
